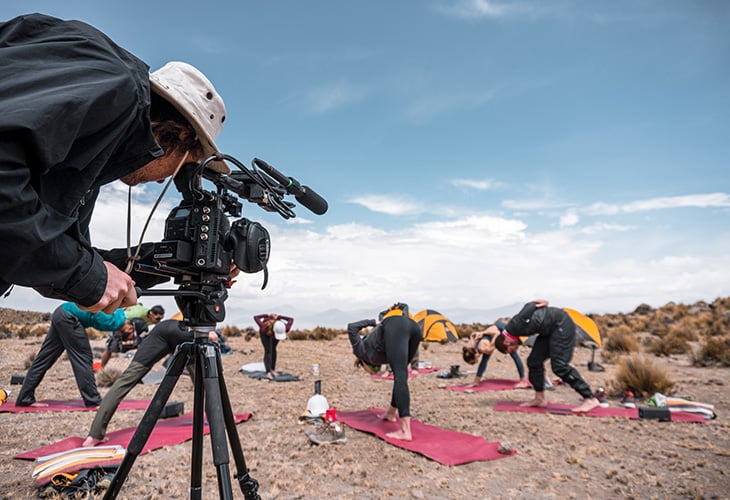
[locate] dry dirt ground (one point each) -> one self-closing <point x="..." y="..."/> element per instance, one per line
<point x="557" y="456"/>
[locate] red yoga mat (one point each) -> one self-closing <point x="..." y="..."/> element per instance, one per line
<point x="167" y="432"/>
<point x="444" y="446"/>
<point x="490" y="384"/>
<point x="411" y="373"/>
<point x="55" y="405"/>
<point x="560" y="409"/>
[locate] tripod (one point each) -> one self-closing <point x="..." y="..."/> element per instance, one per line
<point x="210" y="390"/>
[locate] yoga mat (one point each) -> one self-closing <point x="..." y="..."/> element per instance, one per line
<point x="55" y="405"/>
<point x="167" y="432"/>
<point x="490" y="384"/>
<point x="560" y="409"/>
<point x="444" y="446"/>
<point x="154" y="377"/>
<point x="281" y="377"/>
<point x="411" y="374"/>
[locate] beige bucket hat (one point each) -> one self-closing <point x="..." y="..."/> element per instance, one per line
<point x="192" y="94"/>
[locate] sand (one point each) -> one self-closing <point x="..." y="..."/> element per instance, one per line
<point x="557" y="456"/>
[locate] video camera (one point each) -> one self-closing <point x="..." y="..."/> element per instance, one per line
<point x="200" y="243"/>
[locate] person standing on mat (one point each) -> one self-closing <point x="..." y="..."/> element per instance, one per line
<point x="167" y="335"/>
<point x="68" y="333"/>
<point x="483" y="343"/>
<point x="394" y="341"/>
<point x="555" y="340"/>
<point x="272" y="329"/>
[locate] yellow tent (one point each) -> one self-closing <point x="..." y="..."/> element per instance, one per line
<point x="585" y="328"/>
<point x="435" y="326"/>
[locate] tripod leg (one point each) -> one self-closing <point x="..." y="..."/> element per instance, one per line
<point x="151" y="415"/>
<point x="196" y="458"/>
<point x="249" y="486"/>
<point x="209" y="359"/>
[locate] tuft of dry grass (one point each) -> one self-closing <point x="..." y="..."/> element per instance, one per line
<point x="621" y="339"/>
<point x="638" y="374"/>
<point x="715" y="351"/>
<point x="29" y="361"/>
<point x="672" y="343"/>
<point x="107" y="376"/>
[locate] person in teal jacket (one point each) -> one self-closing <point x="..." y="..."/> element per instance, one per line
<point x="68" y="333"/>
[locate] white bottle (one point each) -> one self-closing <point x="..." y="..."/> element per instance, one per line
<point x="315" y="368"/>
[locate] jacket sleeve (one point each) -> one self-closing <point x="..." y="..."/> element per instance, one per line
<point x="42" y="248"/>
<point x="521" y="323"/>
<point x="353" y="333"/>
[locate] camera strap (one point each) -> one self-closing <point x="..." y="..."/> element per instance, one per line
<point x="132" y="259"/>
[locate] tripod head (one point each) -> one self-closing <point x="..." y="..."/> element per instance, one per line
<point x="200" y="244"/>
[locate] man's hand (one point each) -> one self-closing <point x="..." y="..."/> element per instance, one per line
<point x="119" y="291"/>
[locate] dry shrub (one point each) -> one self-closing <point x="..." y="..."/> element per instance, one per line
<point x="107" y="376"/>
<point x="29" y="360"/>
<point x="94" y="334"/>
<point x="621" y="340"/>
<point x="464" y="331"/>
<point x="672" y="343"/>
<point x="715" y="351"/>
<point x="638" y="374"/>
<point x="685" y="328"/>
<point x="317" y="333"/>
<point x="229" y="331"/>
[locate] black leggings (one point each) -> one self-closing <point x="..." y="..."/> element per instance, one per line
<point x="557" y="345"/>
<point x="269" y="342"/>
<point x="402" y="338"/>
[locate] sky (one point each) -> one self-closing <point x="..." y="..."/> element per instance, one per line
<point x="475" y="154"/>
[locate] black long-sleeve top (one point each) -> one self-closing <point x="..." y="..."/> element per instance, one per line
<point x="371" y="347"/>
<point x="534" y="320"/>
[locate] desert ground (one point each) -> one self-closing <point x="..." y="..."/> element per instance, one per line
<point x="557" y="456"/>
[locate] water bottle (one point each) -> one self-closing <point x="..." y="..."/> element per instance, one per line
<point x="315" y="368"/>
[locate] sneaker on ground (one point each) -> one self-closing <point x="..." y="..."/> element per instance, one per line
<point x="628" y="401"/>
<point x="329" y="433"/>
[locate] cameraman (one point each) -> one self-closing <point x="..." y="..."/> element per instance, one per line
<point x="77" y="112"/>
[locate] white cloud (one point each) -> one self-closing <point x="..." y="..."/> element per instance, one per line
<point x="433" y="103"/>
<point x="478" y="9"/>
<point x="569" y="219"/>
<point x="390" y="205"/>
<point x="478" y="184"/>
<point x="705" y="200"/>
<point x="469" y="263"/>
<point x="332" y="96"/>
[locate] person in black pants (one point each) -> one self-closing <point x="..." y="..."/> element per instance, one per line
<point x="163" y="340"/>
<point x="272" y="328"/>
<point x="68" y="333"/>
<point x="555" y="340"/>
<point x="394" y="341"/>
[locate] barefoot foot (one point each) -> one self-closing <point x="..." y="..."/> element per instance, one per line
<point x="535" y="403"/>
<point x="587" y="405"/>
<point x="91" y="441"/>
<point x="399" y="435"/>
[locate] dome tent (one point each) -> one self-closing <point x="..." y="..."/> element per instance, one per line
<point x="435" y="327"/>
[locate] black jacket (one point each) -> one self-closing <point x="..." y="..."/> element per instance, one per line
<point x="371" y="347"/>
<point x="74" y="115"/>
<point x="533" y="320"/>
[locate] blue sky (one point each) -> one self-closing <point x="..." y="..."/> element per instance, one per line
<point x="475" y="154"/>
